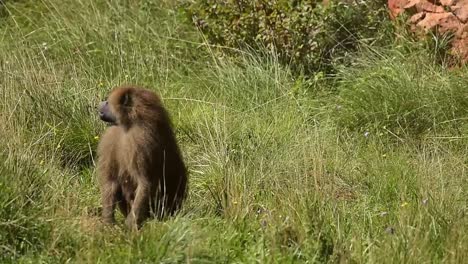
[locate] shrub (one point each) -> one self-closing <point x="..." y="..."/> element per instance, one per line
<point x="307" y="35"/>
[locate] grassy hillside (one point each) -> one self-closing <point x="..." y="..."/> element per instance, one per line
<point x="368" y="166"/>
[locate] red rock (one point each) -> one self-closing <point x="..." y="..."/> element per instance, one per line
<point x="461" y="10"/>
<point x="396" y="7"/>
<point x="443" y="16"/>
<point x="424" y="5"/>
<point x="446" y="2"/>
<point x="414" y="19"/>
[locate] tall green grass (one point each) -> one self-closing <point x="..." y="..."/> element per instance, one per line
<point x="277" y="173"/>
<point x="404" y="94"/>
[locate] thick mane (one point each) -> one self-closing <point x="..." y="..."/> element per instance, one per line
<point x="147" y="107"/>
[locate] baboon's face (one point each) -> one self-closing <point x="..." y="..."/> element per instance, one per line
<point x="116" y="109"/>
<point x="105" y="113"/>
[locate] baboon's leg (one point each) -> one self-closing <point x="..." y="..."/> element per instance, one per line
<point x="139" y="210"/>
<point x="109" y="199"/>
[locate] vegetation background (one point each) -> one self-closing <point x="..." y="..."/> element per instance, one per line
<point x="353" y="151"/>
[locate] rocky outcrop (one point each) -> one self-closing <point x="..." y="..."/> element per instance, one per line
<point x="441" y="16"/>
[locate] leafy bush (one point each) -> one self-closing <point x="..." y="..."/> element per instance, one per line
<point x="308" y="35"/>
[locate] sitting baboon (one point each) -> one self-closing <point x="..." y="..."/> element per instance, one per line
<point x="139" y="162"/>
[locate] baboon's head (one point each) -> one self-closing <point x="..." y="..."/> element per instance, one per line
<point x="127" y="105"/>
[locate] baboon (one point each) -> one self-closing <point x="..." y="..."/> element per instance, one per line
<point x="140" y="167"/>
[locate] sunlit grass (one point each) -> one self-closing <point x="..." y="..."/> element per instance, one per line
<point x="278" y="174"/>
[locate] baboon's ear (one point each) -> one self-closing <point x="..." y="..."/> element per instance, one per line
<point x="126" y="99"/>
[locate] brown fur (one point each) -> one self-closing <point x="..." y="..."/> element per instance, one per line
<point x="140" y="165"/>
